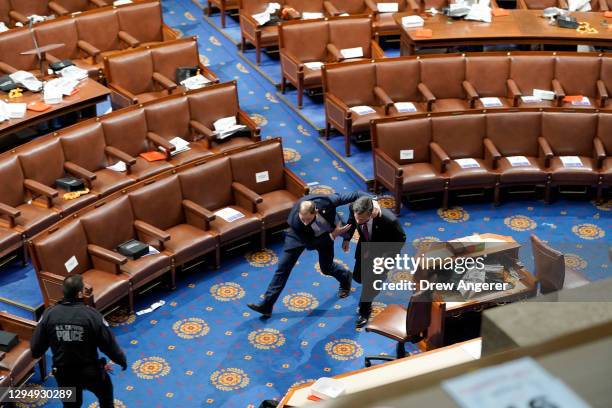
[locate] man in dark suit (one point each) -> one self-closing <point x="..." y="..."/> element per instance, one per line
<point x="374" y="224"/>
<point x="313" y="225"/>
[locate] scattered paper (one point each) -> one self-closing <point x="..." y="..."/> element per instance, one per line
<point x="387" y="7"/>
<point x="16" y="110"/>
<point x="262" y="176"/>
<point x="261" y="18"/>
<point x="491" y="102"/>
<point x="152" y="251"/>
<point x="311" y="15"/>
<point x="65" y="86"/>
<point x="405" y="107"/>
<point x="413" y="21"/>
<point x="226" y="127"/>
<point x="362" y="110"/>
<point x="467" y="163"/>
<point x="121" y="2"/>
<point x="118" y="167"/>
<point x="71" y="263"/>
<point x="479" y="12"/>
<point x="181" y="145"/>
<point x="530" y="99"/>
<point x="406" y="154"/>
<point x="229" y="214"/>
<point x="314" y="65"/>
<point x="4" y="114"/>
<point x="579" y="5"/>
<point x="27" y="79"/>
<point x="356" y="52"/>
<point x="3" y="27"/>
<point x="151" y="308"/>
<point x="73" y="72"/>
<point x="545" y="95"/>
<point x="196" y="82"/>
<point x="571" y="161"/>
<point x="516" y="161"/>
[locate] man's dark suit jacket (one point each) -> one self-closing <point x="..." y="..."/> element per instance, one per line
<point x="385" y="228"/>
<point x="300" y="235"/>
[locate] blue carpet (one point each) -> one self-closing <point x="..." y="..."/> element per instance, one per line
<point x="205" y="348"/>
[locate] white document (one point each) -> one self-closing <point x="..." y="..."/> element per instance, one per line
<point x="73" y="72"/>
<point x="27" y="79"/>
<point x="152" y="251"/>
<point x="121" y="2"/>
<point x="272" y="7"/>
<point x="571" y="161"/>
<point x="327" y="388"/>
<point x="362" y="110"/>
<point x="71" y="263"/>
<point x="344" y="15"/>
<point x="406" y="154"/>
<point x="467" y="163"/>
<point x="545" y="95"/>
<point x="3" y="27"/>
<point x="262" y="176"/>
<point x="356" y="52"/>
<point x="16" y="110"/>
<point x="314" y="65"/>
<point x="579" y="5"/>
<point x="530" y="99"/>
<point x="521" y="383"/>
<point x="151" y="308"/>
<point x="52" y="96"/>
<point x="516" y="161"/>
<point x="195" y="82"/>
<point x="405" y="107"/>
<point x="63" y="85"/>
<point x="262" y="18"/>
<point x="229" y="214"/>
<point x="583" y="102"/>
<point x="226" y="127"/>
<point x="387" y="7"/>
<point x="181" y="145"/>
<point x="307" y="15"/>
<point x="118" y="167"/>
<point x="413" y="21"/>
<point x="479" y="12"/>
<point x="491" y="102"/>
<point x="4" y="114"/>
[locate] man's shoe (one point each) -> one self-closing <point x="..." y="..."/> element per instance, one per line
<point x="345" y="287"/>
<point x="361" y="321"/>
<point x="265" y="312"/>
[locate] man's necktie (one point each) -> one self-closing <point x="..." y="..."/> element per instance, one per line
<point x="364" y="231"/>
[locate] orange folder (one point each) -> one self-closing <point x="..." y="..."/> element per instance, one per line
<point x="153" y="156"/>
<point x="500" y="12"/>
<point x="572" y="98"/>
<point x="608" y="14"/>
<point x="423" y="33"/>
<point x="314" y="398"/>
<point x="38" y="106"/>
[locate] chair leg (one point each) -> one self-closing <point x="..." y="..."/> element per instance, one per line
<point x="496" y="194"/>
<point x="369" y="359"/>
<point x="222" y="15"/>
<point x="398" y="202"/>
<point x="218" y="257"/>
<point x="547" y="192"/>
<point x="242" y="43"/>
<point x="209" y="9"/>
<point x="347" y="144"/>
<point x="327" y="130"/>
<point x="300" y="95"/>
<point x="283" y="84"/>
<point x="173" y="277"/>
<point x="400" y="350"/>
<point x="258" y="53"/>
<point x="445" y="198"/>
<point x="25" y="256"/>
<point x="131" y="301"/>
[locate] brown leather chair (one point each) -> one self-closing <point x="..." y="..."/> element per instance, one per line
<point x="351" y="7"/>
<point x="264" y="185"/>
<point x="45" y="162"/>
<point x="402" y="324"/>
<point x="73" y="6"/>
<point x="172" y="119"/>
<point x="580" y="76"/>
<point x="21" y="9"/>
<point x="65" y="251"/>
<point x="541" y="4"/>
<point x="570" y="135"/>
<point x="100" y="35"/>
<point x="223" y="6"/>
<point x="486" y="77"/>
<point x="171" y="223"/>
<point x="522" y="82"/>
<point x="605" y="86"/>
<point x="128" y="149"/>
<point x="10" y="240"/>
<point x="143" y="21"/>
<point x="260" y="36"/>
<point x="112" y="224"/>
<point x="550" y="269"/>
<point x="383" y="23"/>
<point x="514" y="134"/>
<point x="225" y="194"/>
<point x="300" y="6"/>
<point x="5" y="8"/>
<point x="402" y="160"/>
<point x="12" y="44"/>
<point x="350" y="33"/>
<point x="217" y="102"/>
<point x="603" y="143"/>
<point x="457" y="137"/>
<point x="398" y="82"/>
<point x="443" y="84"/>
<point x="18" y="362"/>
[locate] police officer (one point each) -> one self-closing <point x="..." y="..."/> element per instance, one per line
<point x="75" y="331"/>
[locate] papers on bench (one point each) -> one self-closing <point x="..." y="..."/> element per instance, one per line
<point x="3" y="27"/>
<point x="73" y="73"/>
<point x="362" y="110"/>
<point x="118" y="167"/>
<point x="356" y="52"/>
<point x="65" y="86"/>
<point x="307" y="15"/>
<point x="27" y="79"/>
<point x="12" y="110"/>
<point x="263" y="17"/>
<point x="121" y="2"/>
<point x="314" y="65"/>
<point x="181" y="145"/>
<point x="479" y="12"/>
<point x="403" y="107"/>
<point x="582" y="102"/>
<point x="530" y="99"/>
<point x="387" y="7"/>
<point x="579" y="5"/>
<point x="229" y="214"/>
<point x="467" y="163"/>
<point x="545" y="95"/>
<point x="491" y="102"/>
<point x="516" y="161"/>
<point x="571" y="161"/>
<point x="195" y="82"/>
<point x="413" y="21"/>
<point x="226" y="127"/>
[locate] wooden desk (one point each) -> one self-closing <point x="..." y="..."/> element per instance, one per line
<point x="520" y="27"/>
<point x="90" y="93"/>
<point x="397" y="370"/>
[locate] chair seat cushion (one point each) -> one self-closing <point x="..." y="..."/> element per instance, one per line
<point x="269" y="35"/>
<point x="188" y="242"/>
<point x="450" y="104"/>
<point x="585" y="175"/>
<point x="470" y="177"/>
<point x="275" y="207"/>
<point x="108" y="181"/>
<point x="313" y="78"/>
<point x="361" y="123"/>
<point x="384" y="22"/>
<point x="34" y="218"/>
<point x="69" y="206"/>
<point x="197" y="150"/>
<point x="92" y="68"/>
<point x="391" y="323"/>
<point x="107" y="287"/>
<point x="531" y="173"/>
<point x="228" y="231"/>
<point x="421" y="177"/>
<point x="149" y="96"/>
<point x="143" y="168"/>
<point x="19" y="359"/>
<point x="146" y="268"/>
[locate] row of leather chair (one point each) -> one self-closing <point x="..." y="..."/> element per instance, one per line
<point x="141" y="74"/>
<point x="421" y="154"/>
<point x="445" y="83"/>
<point x="173" y="212"/>
<point x="86" y="37"/>
<point x="29" y="199"/>
<point x="321" y="40"/>
<point x="18" y="11"/>
<point x="596" y="5"/>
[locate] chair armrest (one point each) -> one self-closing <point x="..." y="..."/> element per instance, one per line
<point x="600" y="151"/>
<point x="387" y="168"/>
<point x="334" y="52"/>
<point x="51" y="283"/>
<point x="40" y="189"/>
<point x="88" y="48"/>
<point x="292" y="13"/>
<point x="492" y="155"/>
<point x="160" y="141"/>
<point x="330" y="8"/>
<point x="371" y="4"/>
<point x="290" y="64"/>
<point x="377" y="51"/>
<point x="207" y="73"/>
<point x="559" y="91"/>
<point x="544" y="151"/>
<point x="57" y="8"/>
<point x="166" y="83"/>
<point x="245" y="197"/>
<point x="22" y="327"/>
<point x="148" y="229"/>
<point x="123" y="92"/>
<point x="414" y="6"/>
<point x="603" y="6"/>
<point x="99" y="3"/>
<point x="245" y="119"/>
<point x="472" y="95"/>
<point x="427" y="94"/>
<point x="17" y="16"/>
<point x="51" y="58"/>
<point x="128" y="38"/>
<point x="337" y="110"/>
<point x="602" y="93"/>
<point x="10" y="212"/>
<point x="514" y="91"/>
<point x="202" y="214"/>
<point x="6" y="68"/>
<point x="384" y="98"/>
<point x="106" y="255"/>
<point x="203" y="130"/>
<point x="294" y="184"/>
<point x="80" y="172"/>
<point x="120" y="155"/>
<point x="439" y="158"/>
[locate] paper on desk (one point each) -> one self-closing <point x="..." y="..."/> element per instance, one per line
<point x="404" y="107"/>
<point x="73" y="72"/>
<point x="195" y="82"/>
<point x="413" y="21"/>
<point x="27" y="79"/>
<point x="4" y="115"/>
<point x="519" y="383"/>
<point x="314" y="65"/>
<point x="467" y="163"/>
<point x="387" y="7"/>
<point x="516" y="161"/>
<point x="479" y="12"/>
<point x="181" y="145"/>
<point x="571" y="161"/>
<point x="63" y="85"/>
<point x="3" y="27"/>
<point x="307" y="15"/>
<point x="356" y="52"/>
<point x="491" y="102"/>
<point x="229" y="214"/>
<point x="118" y="167"/>
<point x="579" y="5"/>
<point x="362" y="110"/>
<point x="261" y="18"/>
<point x="16" y="110"/>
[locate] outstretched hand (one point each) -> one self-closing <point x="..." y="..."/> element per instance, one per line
<point x="340" y="231"/>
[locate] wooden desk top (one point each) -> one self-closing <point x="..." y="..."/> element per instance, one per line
<point x="519" y="25"/>
<point x="89" y="93"/>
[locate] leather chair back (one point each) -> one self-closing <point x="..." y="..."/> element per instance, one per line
<point x="133" y="123"/>
<point x="246" y="164"/>
<point x="169" y="119"/>
<point x="353" y="83"/>
<point x="437" y="4"/>
<point x="312" y="6"/>
<point x="414" y="134"/>
<point x="100" y="29"/>
<point x="350" y="6"/>
<point x="216" y="103"/>
<point x="540" y="4"/>
<point x="606" y="71"/>
<point x="604" y="132"/>
<point x="109" y="225"/>
<point x="307" y="41"/>
<point x="460" y="136"/>
<point x="488" y="75"/>
<point x="5" y="7"/>
<point x="515" y="134"/>
<point x="169" y="57"/>
<point x="30" y="7"/>
<point x="522" y="69"/>
<point x="84" y="146"/>
<point x="62" y="31"/>
<point x="351" y="33"/>
<point x="43" y="162"/>
<point x="578" y="75"/>
<point x="12" y="191"/>
<point x="444" y="76"/>
<point x="12" y="44"/>
<point x="251" y="7"/>
<point x="209" y="184"/>
<point x="77" y="5"/>
<point x="143" y="21"/>
<point x="399" y="79"/>
<point x="418" y="316"/>
<point x="570" y="135"/>
<point x="549" y="265"/>
<point x="55" y="249"/>
<point x="132" y="71"/>
<point x="159" y="204"/>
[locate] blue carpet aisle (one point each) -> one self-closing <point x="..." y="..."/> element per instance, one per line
<point x="204" y="347"/>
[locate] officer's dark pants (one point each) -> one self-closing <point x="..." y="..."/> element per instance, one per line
<point x="90" y="378"/>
